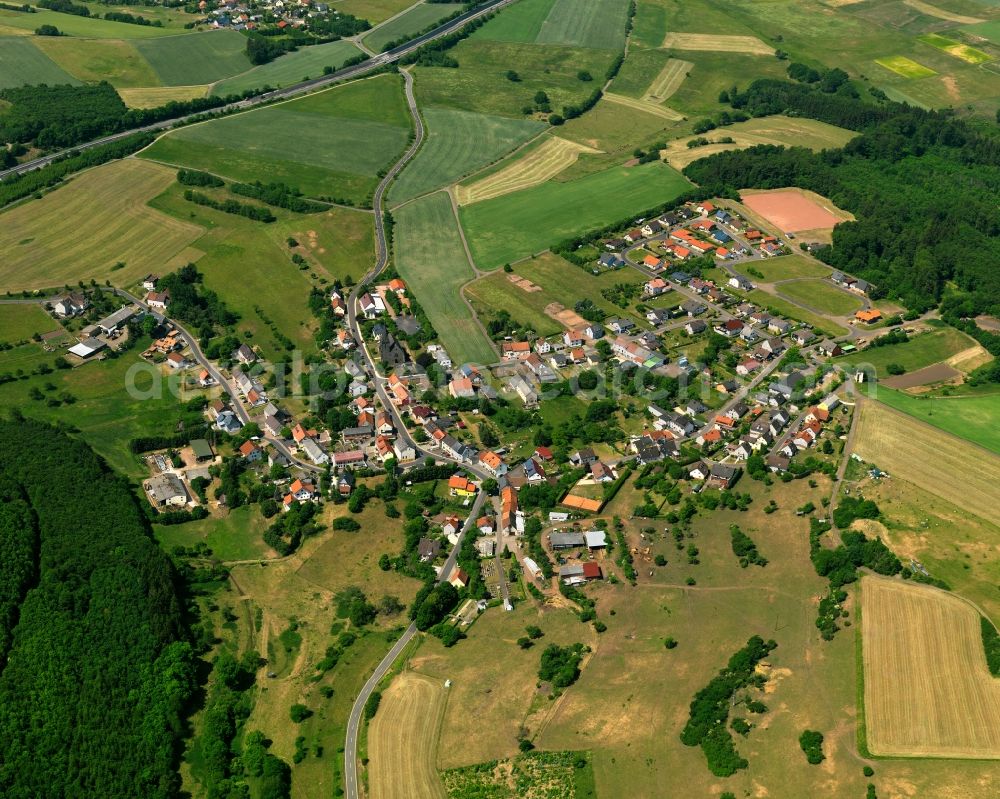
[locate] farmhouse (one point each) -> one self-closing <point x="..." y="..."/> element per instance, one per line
<point x="70" y="304"/>
<point x="158" y="300"/>
<point x="165" y="490"/>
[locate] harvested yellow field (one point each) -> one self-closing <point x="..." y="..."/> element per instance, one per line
<point x="928" y="690"/>
<point x="716" y="43"/>
<point x="940" y="13"/>
<point x="155" y="96"/>
<point x="541" y="164"/>
<point x="668" y="81"/>
<point x="403" y="739"/>
<point x="45" y="245"/>
<point x="930" y="459"/>
<point x="644" y="105"/>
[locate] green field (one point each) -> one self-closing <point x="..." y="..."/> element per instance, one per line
<point x="21" y="322"/>
<point x="585" y="23"/>
<point x="520" y="24"/>
<point x="957" y="49"/>
<point x="195" y="59"/>
<point x="904" y="66"/>
<point x="987" y="30"/>
<point x="457" y="143"/>
<point x="306" y="62"/>
<point x="639" y="71"/>
<point x="16" y="22"/>
<point x="972" y="416"/>
<point x="408" y="24"/>
<point x="329" y="144"/>
<point x="560" y="282"/>
<point x="920" y="351"/>
<point x="516" y="225"/>
<point x="785" y="268"/>
<point x="91" y="60"/>
<point x="616" y="129"/>
<point x="792" y="311"/>
<point x="375" y="11"/>
<point x="430" y="257"/>
<point x="821" y="296"/>
<point x="22" y="63"/>
<point x="235" y="536"/>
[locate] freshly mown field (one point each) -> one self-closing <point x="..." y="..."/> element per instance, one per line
<point x="154" y="96"/>
<point x="533" y="168"/>
<point x="329" y="144"/>
<point x="432" y="260"/>
<point x="403" y="738"/>
<point x="822" y="296"/>
<point x="19" y="23"/>
<point x="194" y="59"/>
<point x="514" y="226"/>
<point x="912" y="450"/>
<point x="716" y="43"/>
<point x="668" y="81"/>
<point x="617" y="128"/>
<point x="649" y="106"/>
<point x="920" y="351"/>
<point x="45" y="245"/>
<point x="928" y="691"/>
<point x="559" y="281"/>
<point x="117" y="61"/>
<point x="306" y="62"/>
<point x="408" y="24"/>
<point x="598" y="24"/>
<point x="457" y="144"/>
<point x="944" y="13"/>
<point x="22" y="63"/>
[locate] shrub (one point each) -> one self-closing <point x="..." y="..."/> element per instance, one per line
<point x="299" y="713"/>
<point x="811" y="742"/>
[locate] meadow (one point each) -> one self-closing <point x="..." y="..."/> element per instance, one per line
<point x="457" y="144"/>
<point x="616" y="128"/>
<point x="44" y="244"/>
<point x="154" y="96"/>
<point x="21" y="62"/>
<point x="517" y="225"/>
<point x="790" y="310"/>
<point x="407" y="24"/>
<point x="919" y="641"/>
<point x="904" y="66"/>
<point x="431" y="259"/>
<point x="786" y="267"/>
<point x="20" y="24"/>
<point x="598" y="24"/>
<point x="21" y="322"/>
<point x="237" y="535"/>
<point x="306" y="62"/>
<point x="117" y="61"/>
<point x="821" y="296"/>
<point x="332" y="143"/>
<point x="920" y="351"/>
<point x="198" y="58"/>
<point x="375" y="11"/>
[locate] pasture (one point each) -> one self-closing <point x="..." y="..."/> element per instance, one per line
<point x="21" y="322"/>
<point x="595" y="24"/>
<point x="18" y="23"/>
<point x="912" y="450"/>
<point x="616" y="128"/>
<point x="928" y="691"/>
<point x="790" y="310"/>
<point x="431" y="259"/>
<point x="194" y="59"/>
<point x="957" y="49"/>
<point x="306" y="62"/>
<point x="375" y="11"/>
<point x="920" y="351"/>
<point x="985" y="30"/>
<point x="716" y="43"/>
<point x="327" y="144"/>
<point x="820" y="296"/>
<point x="119" y="62"/>
<point x="402" y="739"/>
<point x="787" y="267"/>
<point x="237" y="535"/>
<point x="520" y="24"/>
<point x="407" y="24"/>
<point x="45" y="245"/>
<point x="154" y="96"/>
<point x="559" y="281"/>
<point x="535" y="167"/>
<point x="22" y="63"/>
<point x="457" y="144"/>
<point x="516" y="225"/>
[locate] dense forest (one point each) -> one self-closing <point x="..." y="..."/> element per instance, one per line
<point x="96" y="667"/>
<point x="922" y="184"/>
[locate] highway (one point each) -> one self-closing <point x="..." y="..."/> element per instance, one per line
<point x="355" y="71"/>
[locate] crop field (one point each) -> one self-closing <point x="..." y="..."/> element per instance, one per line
<point x="153" y="96"/>
<point x="18" y="23"/>
<point x="920" y="351"/>
<point x="912" y="450"/>
<point x="559" y="281"/>
<point x="458" y="143"/>
<point x="928" y="691"/>
<point x="194" y="59"/>
<point x="649" y="106"/>
<point x="44" y="245"/>
<point x="821" y="296"/>
<point x="904" y="66"/>
<point x="22" y="63"/>
<point x="585" y="23"/>
<point x="668" y="81"/>
<point x="516" y="225"/>
<point x="328" y="144"/>
<point x="790" y="310"/>
<point x="375" y="11"/>
<point x="117" y="61"/>
<point x="402" y="739"/>
<point x="431" y="259"/>
<point x="408" y="24"/>
<point x="957" y="49"/>
<point x="941" y="13"/>
<point x="716" y="43"/>
<point x="306" y="62"/>
<point x="539" y="165"/>
<point x="520" y="24"/>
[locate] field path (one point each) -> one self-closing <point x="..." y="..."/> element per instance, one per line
<point x="644" y="105"/>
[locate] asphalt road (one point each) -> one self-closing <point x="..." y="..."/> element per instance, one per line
<point x="356" y="71"/>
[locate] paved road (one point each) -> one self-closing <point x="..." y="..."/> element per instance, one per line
<point x="356" y="71"/>
<point x="354" y="722"/>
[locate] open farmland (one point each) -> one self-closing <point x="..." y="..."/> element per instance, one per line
<point x="791" y="210"/>
<point x="820" y="296"/>
<point x="920" y="351"/>
<point x="614" y="128"/>
<point x="118" y="62"/>
<point x="928" y="691"/>
<point x="154" y="96"/>
<point x="306" y="62"/>
<point x="941" y="13"/>
<point x="585" y="23"/>
<point x="22" y="63"/>
<point x="912" y="450"/>
<point x="16" y="22"/>
<point x="21" y="322"/>
<point x="458" y="143"/>
<point x="668" y="81"/>
<point x="533" y="168"/>
<point x="791" y="310"/>
<point x="985" y="30"/>
<point x="904" y="66"/>
<point x="327" y="144"/>
<point x="649" y="106"/>
<point x="716" y="43"/>
<point x="516" y="225"/>
<point x="375" y="11"/>
<point x="402" y="739"/>
<point x="432" y="260"/>
<point x="194" y="59"/>
<point x="957" y="49"/>
<point x="520" y="24"/>
<point x="407" y="24"/>
<point x="45" y="245"/>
